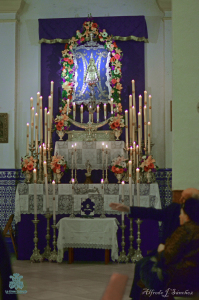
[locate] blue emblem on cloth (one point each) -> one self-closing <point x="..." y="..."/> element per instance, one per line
<point x="16" y="284"/>
<point x="87" y="207"/>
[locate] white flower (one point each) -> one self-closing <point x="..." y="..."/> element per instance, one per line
<point x="116" y="71"/>
<point x="104" y="34"/>
<point x="123" y="164"/>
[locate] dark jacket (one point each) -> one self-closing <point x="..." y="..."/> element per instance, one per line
<point x="169" y="216"/>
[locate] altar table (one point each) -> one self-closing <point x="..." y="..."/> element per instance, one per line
<point x="91" y="151"/>
<point x="99" y="233"/>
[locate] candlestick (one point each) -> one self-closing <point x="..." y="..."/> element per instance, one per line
<point x="74" y="110"/>
<point x="102" y="187"/>
<point x="126" y="128"/>
<point x="134" y="150"/>
<point x="145" y="127"/>
<point x="81" y="113"/>
<point x="133" y="124"/>
<point x="36" y="132"/>
<point x="130" y="119"/>
<point x="137" y="155"/>
<point x="138" y="185"/>
<point x="145" y="98"/>
<point x="51" y="93"/>
<point x="90" y="115"/>
<point x="27" y="140"/>
<point x="133" y="94"/>
<point x="40" y="157"/>
<point x="106" y="179"/>
<point x="50" y="111"/>
<point x="41" y="118"/>
<point x="140" y="110"/>
<point x="111" y="105"/>
<point x="49" y="131"/>
<point x="139" y="130"/>
<point x="71" y="163"/>
<point x="149" y="138"/>
<point x="150" y="112"/>
<point x="46" y="185"/>
<point x="68" y="103"/>
<point x="104" y="111"/>
<point x="54" y="217"/>
<point x="45" y="126"/>
<point x="130" y="182"/>
<point x="37" y="109"/>
<point x="72" y="215"/>
<point x="97" y="113"/>
<point x="103" y="160"/>
<point x="131" y="153"/>
<point x="32" y="126"/>
<point x="35" y="192"/>
<point x="123" y="183"/>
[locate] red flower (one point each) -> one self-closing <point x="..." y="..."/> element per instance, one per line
<point x="94" y="25"/>
<point x="58" y="127"/>
<point x="99" y="36"/>
<point x="115" y="45"/>
<point x="146" y="169"/>
<point x="70" y="97"/>
<point x="30" y="167"/>
<point x="117" y="56"/>
<point x="120" y="171"/>
<point x="151" y="166"/>
<point x="61" y="123"/>
<point x="113" y="81"/>
<point x="117" y="170"/>
<point x="23" y="169"/>
<point x="70" y="61"/>
<point x="117" y="124"/>
<point x="82" y="39"/>
<point x="113" y="126"/>
<point x="66" y="45"/>
<point x="113" y="169"/>
<point x="112" y="59"/>
<point x="65" y="59"/>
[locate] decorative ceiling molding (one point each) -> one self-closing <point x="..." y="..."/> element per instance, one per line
<point x="164" y="5"/>
<point x="10" y="6"/>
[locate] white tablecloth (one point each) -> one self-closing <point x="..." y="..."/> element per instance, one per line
<point x="91" y="151"/>
<point x="24" y="199"/>
<point x="87" y="233"/>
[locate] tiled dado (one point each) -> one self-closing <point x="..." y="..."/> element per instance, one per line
<point x="9" y="178"/>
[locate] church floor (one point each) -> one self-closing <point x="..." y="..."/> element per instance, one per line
<point x="77" y="281"/>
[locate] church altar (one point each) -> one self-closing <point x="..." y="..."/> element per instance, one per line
<point x="91" y="151"/>
<point x="87" y="233"/>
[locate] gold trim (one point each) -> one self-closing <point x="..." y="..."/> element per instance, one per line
<point x="117" y="38"/>
<point x="9" y="21"/>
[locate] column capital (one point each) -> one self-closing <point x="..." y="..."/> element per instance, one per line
<point x="10" y="6"/>
<point x="164" y="5"/>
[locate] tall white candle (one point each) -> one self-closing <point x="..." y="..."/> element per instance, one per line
<point x="133" y="124"/>
<point x="130" y="182"/>
<point x="126" y="129"/>
<point x="31" y="103"/>
<point x="106" y="156"/>
<point x="27" y="140"/>
<point x="139" y="130"/>
<point x="104" y="111"/>
<point x="81" y="113"/>
<point x="50" y="110"/>
<point x="35" y="191"/>
<point x="134" y="152"/>
<point x="131" y="153"/>
<point x="145" y="98"/>
<point x="54" y="216"/>
<point x="72" y="157"/>
<point x="41" y="118"/>
<point x="51" y="93"/>
<point x="123" y="198"/>
<point x="68" y="103"/>
<point x="130" y="119"/>
<point x="102" y="187"/>
<point x="140" y="110"/>
<point x="49" y="131"/>
<point x="44" y="152"/>
<point x="75" y="156"/>
<point x="133" y="94"/>
<point x="137" y="155"/>
<point x="97" y="113"/>
<point x="150" y="112"/>
<point x="46" y="185"/>
<point x="145" y="127"/>
<point x="103" y="156"/>
<point x="37" y="109"/>
<point x="90" y="116"/>
<point x="45" y="126"/>
<point x="149" y="138"/>
<point x="36" y="132"/>
<point x="111" y="105"/>
<point x="138" y="185"/>
<point x="74" y="110"/>
<point x="73" y="181"/>
<point x="40" y="156"/>
<point x="32" y="125"/>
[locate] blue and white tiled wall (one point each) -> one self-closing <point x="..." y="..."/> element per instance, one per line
<point x="10" y="178"/>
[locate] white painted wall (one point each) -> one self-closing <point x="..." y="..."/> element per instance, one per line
<point x="185" y="94"/>
<point x="7" y="90"/>
<point x="28" y="59"/>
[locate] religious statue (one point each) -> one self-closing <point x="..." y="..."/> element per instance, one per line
<point x="88" y="173"/>
<point x="92" y="75"/>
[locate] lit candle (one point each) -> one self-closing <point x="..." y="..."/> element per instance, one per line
<point x="35" y="191"/>
<point x="27" y="140"/>
<point x="31" y="103"/>
<point x="49" y="131"/>
<point x="145" y="126"/>
<point x="138" y="185"/>
<point x="37" y="109"/>
<point x="130" y="182"/>
<point x="45" y="126"/>
<point x="40" y="156"/>
<point x="111" y="105"/>
<point x="106" y="156"/>
<point x="134" y="149"/>
<point x="149" y="138"/>
<point x="72" y="158"/>
<point x="104" y="111"/>
<point x="123" y="198"/>
<point x="131" y="153"/>
<point x="133" y="124"/>
<point x="150" y="112"/>
<point x="74" y="110"/>
<point x="139" y="130"/>
<point x="51" y="93"/>
<point x="130" y="119"/>
<point x="75" y="157"/>
<point x="81" y="113"/>
<point x="126" y="128"/>
<point x="50" y="110"/>
<point x="68" y="106"/>
<point x="133" y="94"/>
<point x="44" y="152"/>
<point x="137" y="154"/>
<point x="90" y="115"/>
<point x="46" y="185"/>
<point x="145" y="98"/>
<point x="140" y="110"/>
<point x="36" y="132"/>
<point x="102" y="187"/>
<point x="41" y="119"/>
<point x="73" y="181"/>
<point x="32" y="125"/>
<point x="103" y="158"/>
<point x="97" y="113"/>
<point x="54" y="217"/>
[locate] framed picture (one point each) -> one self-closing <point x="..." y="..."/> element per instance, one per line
<point x="3" y="128"/>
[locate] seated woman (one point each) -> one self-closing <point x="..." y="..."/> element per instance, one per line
<point x="175" y="267"/>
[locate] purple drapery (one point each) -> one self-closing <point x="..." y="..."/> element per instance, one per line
<point x="132" y="62"/>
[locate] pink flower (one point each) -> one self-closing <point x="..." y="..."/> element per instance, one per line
<point x="117" y="56"/>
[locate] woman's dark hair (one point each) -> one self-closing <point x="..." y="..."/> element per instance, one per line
<point x="191" y="208"/>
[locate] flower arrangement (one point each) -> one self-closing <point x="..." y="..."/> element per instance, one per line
<point x="148" y="164"/>
<point x="116" y="121"/>
<point x="119" y="165"/>
<point x="58" y="164"/>
<point x="68" y="67"/>
<point x="28" y="163"/>
<point x="61" y="122"/>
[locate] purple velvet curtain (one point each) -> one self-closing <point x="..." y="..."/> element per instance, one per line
<point x="132" y="62"/>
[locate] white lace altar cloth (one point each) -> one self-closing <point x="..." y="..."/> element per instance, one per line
<point x="99" y="233"/>
<point x="91" y="151"/>
<point x="24" y="198"/>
